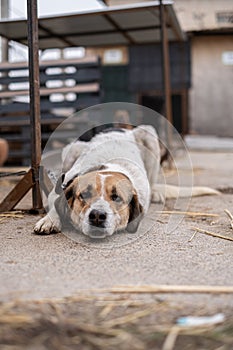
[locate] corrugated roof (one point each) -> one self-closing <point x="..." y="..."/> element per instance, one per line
<point x="119" y="25"/>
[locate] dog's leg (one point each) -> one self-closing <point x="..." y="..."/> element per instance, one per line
<point x="50" y="223"/>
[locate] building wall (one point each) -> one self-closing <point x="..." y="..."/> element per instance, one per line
<point x="211" y="102"/>
<point x="196" y="15"/>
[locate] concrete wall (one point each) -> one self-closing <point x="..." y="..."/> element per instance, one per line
<point x="204" y="14"/>
<point x="211" y="96"/>
<point x="196" y="14"/>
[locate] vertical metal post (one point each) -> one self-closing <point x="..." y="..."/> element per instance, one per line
<point x="4" y="10"/>
<point x="184" y="104"/>
<point x="34" y="79"/>
<point x="166" y="73"/>
<point x="4" y="13"/>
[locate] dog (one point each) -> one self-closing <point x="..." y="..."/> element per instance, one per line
<point x="108" y="184"/>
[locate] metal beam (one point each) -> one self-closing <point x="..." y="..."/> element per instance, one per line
<point x="166" y="76"/>
<point x="165" y="63"/>
<point x="118" y="29"/>
<point x="34" y="79"/>
<point x="4" y="13"/>
<point x="17" y="193"/>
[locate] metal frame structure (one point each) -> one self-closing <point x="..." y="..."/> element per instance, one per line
<point x="31" y="179"/>
<point x="131" y="24"/>
<point x="166" y="76"/>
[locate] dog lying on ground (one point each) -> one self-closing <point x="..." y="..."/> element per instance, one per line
<point x="108" y="184"/>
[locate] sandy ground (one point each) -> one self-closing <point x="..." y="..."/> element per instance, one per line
<point x="162" y="252"/>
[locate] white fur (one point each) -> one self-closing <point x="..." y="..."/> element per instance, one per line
<point x="84" y="226"/>
<point x="119" y="153"/>
<point x="134" y="153"/>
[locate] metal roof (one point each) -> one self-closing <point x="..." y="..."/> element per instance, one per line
<point x="118" y="25"/>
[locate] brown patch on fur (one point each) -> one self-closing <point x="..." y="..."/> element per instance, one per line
<point x="113" y="187"/>
<point x="118" y="192"/>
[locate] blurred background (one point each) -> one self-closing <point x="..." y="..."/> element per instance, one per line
<point x="76" y="76"/>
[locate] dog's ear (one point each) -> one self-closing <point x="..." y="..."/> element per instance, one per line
<point x="58" y="187"/>
<point x="64" y="203"/>
<point x="135" y="214"/>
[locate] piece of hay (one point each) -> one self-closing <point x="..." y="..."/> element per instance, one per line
<point x="188" y="213"/>
<point x="170" y="339"/>
<point x="190" y="239"/>
<point x="213" y="234"/>
<point x="14" y="319"/>
<point x="13" y="214"/>
<point x="130" y="318"/>
<point x="230" y="217"/>
<point x="173" y="289"/>
<point x="9" y="214"/>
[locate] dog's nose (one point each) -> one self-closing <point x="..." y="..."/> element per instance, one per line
<point x="97" y="218"/>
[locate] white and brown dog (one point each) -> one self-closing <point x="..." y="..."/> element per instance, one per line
<point x="108" y="184"/>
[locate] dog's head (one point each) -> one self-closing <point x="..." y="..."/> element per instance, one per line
<point x="100" y="203"/>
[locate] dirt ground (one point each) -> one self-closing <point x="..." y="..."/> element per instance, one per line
<point x="58" y="288"/>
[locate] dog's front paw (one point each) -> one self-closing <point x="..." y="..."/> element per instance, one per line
<point x="45" y="226"/>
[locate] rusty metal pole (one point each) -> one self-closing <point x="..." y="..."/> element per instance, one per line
<point x="34" y="80"/>
<point x="4" y="13"/>
<point x="166" y="75"/>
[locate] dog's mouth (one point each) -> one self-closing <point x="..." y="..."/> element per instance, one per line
<point x="97" y="233"/>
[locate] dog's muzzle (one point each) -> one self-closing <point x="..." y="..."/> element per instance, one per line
<point x="97" y="218"/>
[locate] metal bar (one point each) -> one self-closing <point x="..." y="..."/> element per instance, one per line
<point x="17" y="173"/>
<point x="18" y="192"/>
<point x="4" y="10"/>
<point x="34" y="79"/>
<point x="54" y="35"/>
<point x="4" y="13"/>
<point x="166" y="63"/>
<point x="180" y="35"/>
<point x="184" y="108"/>
<point x="124" y="32"/>
<point x="166" y="76"/>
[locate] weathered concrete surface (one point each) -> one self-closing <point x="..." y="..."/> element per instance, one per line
<point x="55" y="266"/>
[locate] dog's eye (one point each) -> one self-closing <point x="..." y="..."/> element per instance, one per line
<point x="85" y="195"/>
<point x="116" y="198"/>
